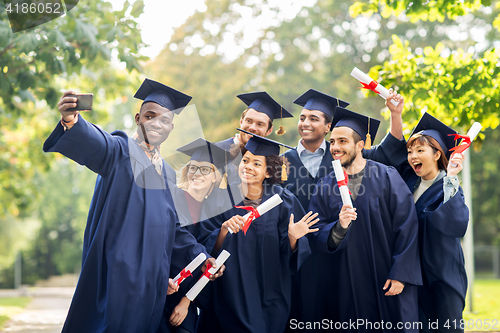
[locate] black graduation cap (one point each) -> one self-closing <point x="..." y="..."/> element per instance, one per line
<point x="428" y="125"/>
<point x="205" y="151"/>
<point x="363" y="125"/>
<point x="316" y="100"/>
<point x="262" y="102"/>
<point x="153" y="91"/>
<point x="259" y="145"/>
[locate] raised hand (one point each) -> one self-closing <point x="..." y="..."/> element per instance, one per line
<point x="65" y="103"/>
<point x="302" y="227"/>
<point x="455" y="165"/>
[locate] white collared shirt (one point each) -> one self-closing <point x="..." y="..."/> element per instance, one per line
<point x="311" y="160"/>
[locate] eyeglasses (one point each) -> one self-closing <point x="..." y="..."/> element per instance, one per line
<point x="204" y="170"/>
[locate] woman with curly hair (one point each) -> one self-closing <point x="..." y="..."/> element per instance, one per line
<point x="254" y="294"/>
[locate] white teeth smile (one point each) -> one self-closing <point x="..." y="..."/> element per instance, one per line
<point x="307" y="131"/>
<point x="154" y="132"/>
<point x="198" y="181"/>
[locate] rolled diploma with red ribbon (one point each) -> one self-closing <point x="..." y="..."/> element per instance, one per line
<point x="339" y="176"/>
<point x="205" y="278"/>
<point x="190" y="268"/>
<point x="371" y="84"/>
<point x="472" y="133"/>
<point x="266" y="206"/>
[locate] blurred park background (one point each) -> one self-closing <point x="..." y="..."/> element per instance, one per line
<point x="442" y="55"/>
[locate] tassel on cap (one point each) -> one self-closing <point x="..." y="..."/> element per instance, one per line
<point x="368" y="141"/>
<point x="281" y="130"/>
<point x="223" y="183"/>
<point x="284" y="175"/>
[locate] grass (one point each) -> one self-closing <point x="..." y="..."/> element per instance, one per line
<point x="486" y="305"/>
<point x="10" y="307"/>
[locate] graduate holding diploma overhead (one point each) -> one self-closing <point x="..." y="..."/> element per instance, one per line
<point x="132" y="225"/>
<point x="374" y="265"/>
<point x="255" y="294"/>
<point x="442" y="214"/>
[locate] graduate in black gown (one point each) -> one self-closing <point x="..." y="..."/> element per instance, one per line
<point x="371" y="282"/>
<point x="257" y="118"/>
<point x="132" y="225"/>
<point x="311" y="159"/>
<point x="308" y="163"/>
<point x="442" y="214"/>
<point x="256" y="295"/>
<point x="200" y="193"/>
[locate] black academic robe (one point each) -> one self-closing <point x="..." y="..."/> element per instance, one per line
<point x="131" y="230"/>
<point x="300" y="182"/>
<point x="441" y="225"/>
<point x="217" y="202"/>
<point x="253" y="295"/>
<point x="380" y="244"/>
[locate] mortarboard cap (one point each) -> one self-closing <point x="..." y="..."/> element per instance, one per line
<point x="365" y="126"/>
<point x="316" y="100"/>
<point x="261" y="101"/>
<point x="428" y="125"/>
<point x="259" y="145"/>
<point x="205" y="151"/>
<point x="153" y="91"/>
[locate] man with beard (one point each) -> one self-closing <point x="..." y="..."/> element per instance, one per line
<point x="132" y="227"/>
<point x="374" y="264"/>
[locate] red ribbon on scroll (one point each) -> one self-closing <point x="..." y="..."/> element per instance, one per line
<point x="344" y="182"/>
<point x="371" y="86"/>
<point x="184" y="274"/>
<point x="206" y="272"/>
<point x="255" y="214"/>
<point x="463" y="145"/>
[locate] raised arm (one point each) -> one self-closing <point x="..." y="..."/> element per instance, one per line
<point x="84" y="142"/>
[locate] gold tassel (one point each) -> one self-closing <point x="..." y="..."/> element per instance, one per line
<point x="281" y="130"/>
<point x="284" y="176"/>
<point x="368" y="142"/>
<point x="223" y="182"/>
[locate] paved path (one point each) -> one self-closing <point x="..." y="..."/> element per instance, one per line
<point x="46" y="312"/>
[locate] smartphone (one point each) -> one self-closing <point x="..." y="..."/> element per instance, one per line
<point x="83" y="103"/>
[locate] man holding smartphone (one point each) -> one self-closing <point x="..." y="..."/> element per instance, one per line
<point x="132" y="227"/>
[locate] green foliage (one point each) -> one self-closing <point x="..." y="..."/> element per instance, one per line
<point x="434" y="10"/>
<point x="79" y="52"/>
<point x="458" y="88"/>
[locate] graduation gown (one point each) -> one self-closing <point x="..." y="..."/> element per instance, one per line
<point x="218" y="202"/>
<point x="441" y="225"/>
<point x="253" y="295"/>
<point x="131" y="230"/>
<point x="380" y="244"/>
<point x="300" y="182"/>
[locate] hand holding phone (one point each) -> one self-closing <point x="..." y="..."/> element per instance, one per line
<point x="83" y="102"/>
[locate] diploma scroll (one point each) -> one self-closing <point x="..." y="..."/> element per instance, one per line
<point x="188" y="270"/>
<point x="371" y="84"/>
<point x="467" y="140"/>
<point x="341" y="181"/>
<point x="266" y="206"/>
<point x="202" y="282"/>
